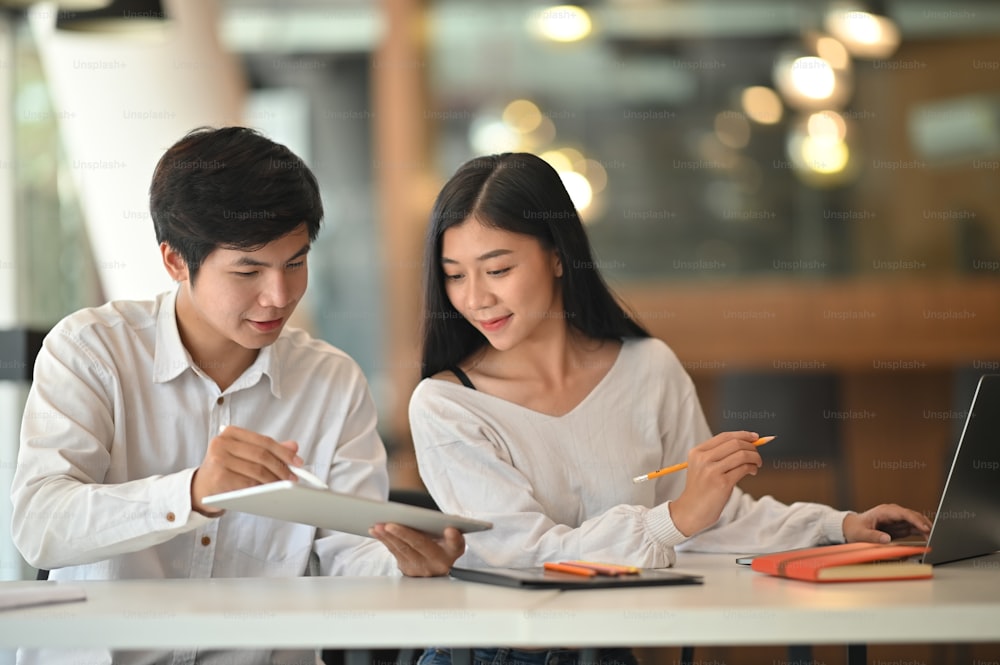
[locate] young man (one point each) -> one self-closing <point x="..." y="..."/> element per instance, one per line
<point x="139" y="410"/>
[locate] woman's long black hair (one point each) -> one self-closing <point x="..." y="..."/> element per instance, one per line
<point x="520" y="193"/>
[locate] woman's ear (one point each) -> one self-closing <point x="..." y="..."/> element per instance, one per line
<point x="557" y="266"/>
<point x="174" y="263"/>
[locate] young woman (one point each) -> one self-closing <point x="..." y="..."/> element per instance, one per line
<point x="542" y="399"/>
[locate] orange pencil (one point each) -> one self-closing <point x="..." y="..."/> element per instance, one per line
<point x="605" y="568"/>
<point x="683" y="465"/>
<point x="567" y="568"/>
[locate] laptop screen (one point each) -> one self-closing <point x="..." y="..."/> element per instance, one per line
<point x="967" y="523"/>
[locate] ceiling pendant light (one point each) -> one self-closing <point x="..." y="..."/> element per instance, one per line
<point x="118" y="17"/>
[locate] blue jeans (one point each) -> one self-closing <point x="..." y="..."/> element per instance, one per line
<point x="505" y="656"/>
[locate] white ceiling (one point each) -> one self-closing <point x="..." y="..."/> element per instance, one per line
<point x="338" y="26"/>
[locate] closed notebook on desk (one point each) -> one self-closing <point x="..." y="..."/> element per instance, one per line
<point x="850" y="562"/>
<point x="38" y="593"/>
<point x="538" y="578"/>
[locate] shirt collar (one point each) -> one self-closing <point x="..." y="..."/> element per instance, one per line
<point x="171" y="358"/>
<point x="266" y="364"/>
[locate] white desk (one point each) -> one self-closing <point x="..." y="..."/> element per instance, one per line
<point x="335" y="612"/>
<point x="735" y="606"/>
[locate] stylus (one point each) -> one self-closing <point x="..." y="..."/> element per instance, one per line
<point x="305" y="476"/>
<point x="308" y="478"/>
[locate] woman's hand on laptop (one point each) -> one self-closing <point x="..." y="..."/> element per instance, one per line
<point x="884" y="523"/>
<point x="418" y="554"/>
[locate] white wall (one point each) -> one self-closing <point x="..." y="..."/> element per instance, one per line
<point x="11" y="393"/>
<point x="8" y="238"/>
<point x="121" y="101"/>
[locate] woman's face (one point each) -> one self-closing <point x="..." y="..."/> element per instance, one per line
<point x="505" y="284"/>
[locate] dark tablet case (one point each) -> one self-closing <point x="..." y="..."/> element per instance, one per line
<point x="538" y="578"/>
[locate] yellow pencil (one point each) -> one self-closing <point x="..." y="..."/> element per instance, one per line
<point x="683" y="465"/>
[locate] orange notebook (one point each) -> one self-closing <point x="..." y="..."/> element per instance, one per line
<point x="850" y="562"/>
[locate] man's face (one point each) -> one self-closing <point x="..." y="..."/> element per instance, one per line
<point x="240" y="298"/>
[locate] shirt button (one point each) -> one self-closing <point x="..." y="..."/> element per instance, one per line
<point x="171" y="517"/>
<point x="206" y="541"/>
<point x="220" y="400"/>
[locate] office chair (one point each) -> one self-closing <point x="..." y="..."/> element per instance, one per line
<point x="413" y="498"/>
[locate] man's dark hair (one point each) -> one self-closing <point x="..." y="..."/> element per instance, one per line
<point x="231" y="188"/>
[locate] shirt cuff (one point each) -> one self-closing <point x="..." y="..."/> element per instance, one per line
<point x="170" y="507"/>
<point x="833" y="526"/>
<point x="660" y="526"/>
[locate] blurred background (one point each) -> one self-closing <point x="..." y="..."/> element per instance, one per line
<point x="801" y="197"/>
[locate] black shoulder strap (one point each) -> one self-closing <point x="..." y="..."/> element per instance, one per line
<point x="462" y="376"/>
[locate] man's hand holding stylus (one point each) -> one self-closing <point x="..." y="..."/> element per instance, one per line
<point x="238" y="458"/>
<point x="714" y="468"/>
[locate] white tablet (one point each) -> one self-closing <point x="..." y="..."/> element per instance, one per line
<point x="294" y="502"/>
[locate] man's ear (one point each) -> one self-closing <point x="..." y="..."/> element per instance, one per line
<point x="174" y="263"/>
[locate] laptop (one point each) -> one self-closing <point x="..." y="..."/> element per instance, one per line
<point x="967" y="523"/>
